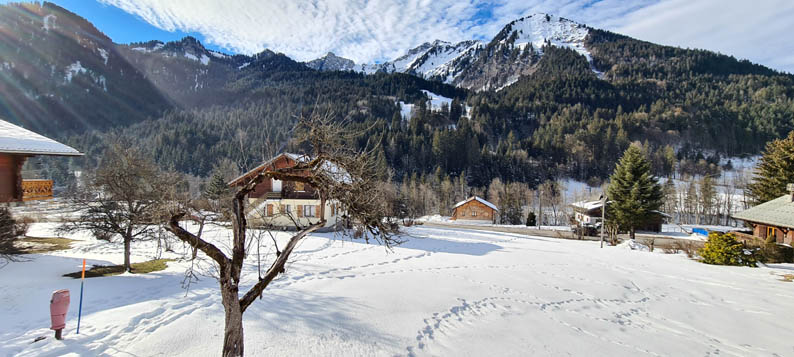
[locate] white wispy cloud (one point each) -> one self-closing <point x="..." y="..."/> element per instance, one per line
<point x="760" y="31"/>
<point x="368" y="31"/>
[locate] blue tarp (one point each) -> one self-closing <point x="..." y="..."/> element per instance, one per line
<point x="700" y="231"/>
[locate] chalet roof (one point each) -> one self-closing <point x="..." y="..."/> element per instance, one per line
<point x="332" y="169"/>
<point x="18" y="140"/>
<point x="778" y="212"/>
<point x="593" y="205"/>
<point x="489" y="204"/>
<point x="588" y="205"/>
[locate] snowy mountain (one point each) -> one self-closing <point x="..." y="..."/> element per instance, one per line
<point x="516" y="50"/>
<point x="513" y="52"/>
<point x="332" y="62"/>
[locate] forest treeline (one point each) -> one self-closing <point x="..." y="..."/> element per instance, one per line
<point x="570" y="118"/>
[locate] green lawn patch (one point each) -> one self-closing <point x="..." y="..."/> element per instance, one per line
<point x="109" y="270"/>
<point x="36" y="245"/>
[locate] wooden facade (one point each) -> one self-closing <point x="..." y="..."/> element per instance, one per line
<point x="474" y="209"/>
<point x="11" y="177"/>
<point x="276" y="189"/>
<point x="772" y="221"/>
<point x="17" y="145"/>
<point x="773" y="233"/>
<point x="283" y="203"/>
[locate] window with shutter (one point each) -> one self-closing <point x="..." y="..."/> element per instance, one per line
<point x="269" y="210"/>
<point x="317" y="211"/>
<point x="300" y="211"/>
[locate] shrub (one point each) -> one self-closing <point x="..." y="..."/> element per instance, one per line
<point x="10" y="230"/>
<point x="771" y="252"/>
<point x="724" y="249"/>
<point x="531" y="219"/>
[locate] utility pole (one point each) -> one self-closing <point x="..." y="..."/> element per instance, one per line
<point x="603" y="216"/>
<point x="540" y="207"/>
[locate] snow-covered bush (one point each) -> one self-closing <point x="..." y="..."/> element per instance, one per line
<point x="724" y="249"/>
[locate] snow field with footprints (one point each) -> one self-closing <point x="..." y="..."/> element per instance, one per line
<point x="444" y="292"/>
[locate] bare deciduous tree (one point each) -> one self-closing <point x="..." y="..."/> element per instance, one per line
<point x="124" y="197"/>
<point x="339" y="174"/>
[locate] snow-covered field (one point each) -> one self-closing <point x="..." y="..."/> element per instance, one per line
<point x="449" y="292"/>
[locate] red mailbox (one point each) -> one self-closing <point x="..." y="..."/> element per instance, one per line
<point x="59" y="305"/>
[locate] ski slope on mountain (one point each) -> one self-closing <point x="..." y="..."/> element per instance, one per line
<point x="446" y="292"/>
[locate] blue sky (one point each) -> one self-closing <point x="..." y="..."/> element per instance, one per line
<point x="378" y="30"/>
<point x="119" y="25"/>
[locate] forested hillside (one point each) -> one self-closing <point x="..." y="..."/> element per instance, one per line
<point x="572" y="114"/>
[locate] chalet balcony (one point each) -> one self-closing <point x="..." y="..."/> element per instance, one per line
<point x="295" y="195"/>
<point x="36" y="189"/>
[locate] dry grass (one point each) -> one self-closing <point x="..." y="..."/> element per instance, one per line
<point x="787" y="277"/>
<point x="110" y="270"/>
<point x="37" y="245"/>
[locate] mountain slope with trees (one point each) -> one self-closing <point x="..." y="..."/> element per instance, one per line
<point x="577" y="106"/>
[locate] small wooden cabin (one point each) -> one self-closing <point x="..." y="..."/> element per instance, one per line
<point x="772" y="220"/>
<point x="474" y="209"/>
<point x="17" y="144"/>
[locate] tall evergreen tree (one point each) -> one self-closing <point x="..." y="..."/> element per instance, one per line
<point x="217" y="187"/>
<point x="633" y="191"/>
<point x="775" y="170"/>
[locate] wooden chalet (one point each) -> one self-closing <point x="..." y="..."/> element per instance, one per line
<point x="17" y="144"/>
<point x="474" y="209"/>
<point x="283" y="203"/>
<point x="773" y="220"/>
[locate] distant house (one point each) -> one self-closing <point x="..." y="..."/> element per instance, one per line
<point x="281" y="204"/>
<point x="773" y="219"/>
<point x="587" y="214"/>
<point x="17" y="144"/>
<point x="474" y="209"/>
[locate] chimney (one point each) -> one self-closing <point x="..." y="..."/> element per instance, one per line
<point x="790" y="188"/>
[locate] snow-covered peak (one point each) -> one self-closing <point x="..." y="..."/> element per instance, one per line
<point x="541" y="29"/>
<point x="440" y="60"/>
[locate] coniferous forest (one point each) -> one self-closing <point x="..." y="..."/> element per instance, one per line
<point x="568" y="118"/>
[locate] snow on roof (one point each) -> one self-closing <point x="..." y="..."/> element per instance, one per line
<point x="489" y="204"/>
<point x="778" y="212"/>
<point x="18" y="140"/>
<point x="587" y="205"/>
<point x="337" y="173"/>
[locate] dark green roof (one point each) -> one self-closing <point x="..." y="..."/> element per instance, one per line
<point x="778" y="212"/>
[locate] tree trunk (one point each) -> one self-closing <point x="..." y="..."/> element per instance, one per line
<point x="127" y="267"/>
<point x="233" y="329"/>
<point x="631" y="232"/>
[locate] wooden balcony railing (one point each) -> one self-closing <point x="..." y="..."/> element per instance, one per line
<point x="36" y="190"/>
<point x="748" y="238"/>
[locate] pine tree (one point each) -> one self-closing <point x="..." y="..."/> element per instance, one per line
<point x="531" y="219"/>
<point x="775" y="170"/>
<point x="216" y="187"/>
<point x="634" y="193"/>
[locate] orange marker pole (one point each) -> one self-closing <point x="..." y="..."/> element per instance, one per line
<point x="80" y="309"/>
